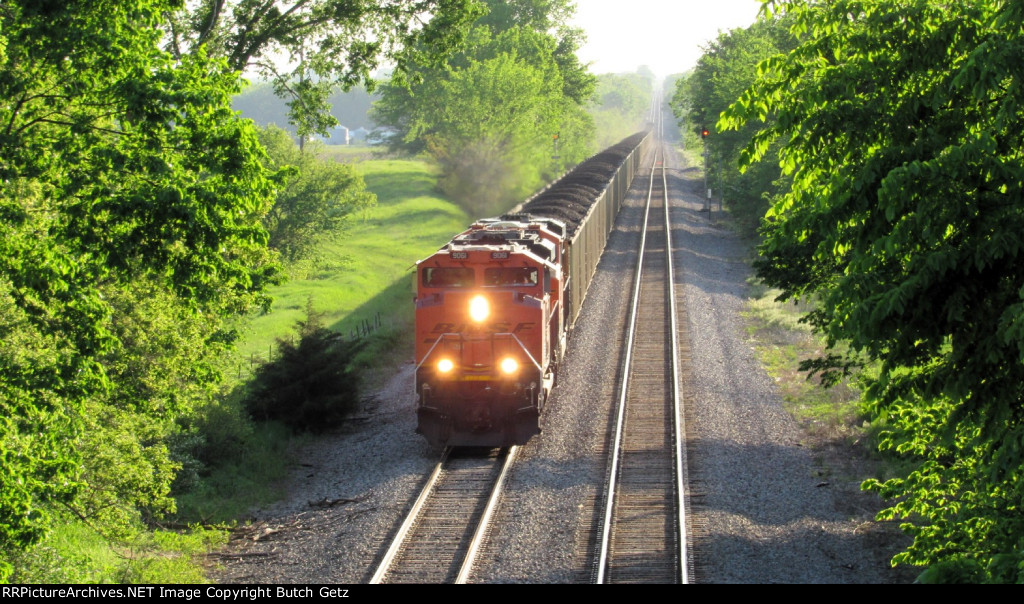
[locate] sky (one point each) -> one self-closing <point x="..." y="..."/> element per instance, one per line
<point x="665" y="35"/>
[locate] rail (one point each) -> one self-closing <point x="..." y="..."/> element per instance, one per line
<point x="440" y="537"/>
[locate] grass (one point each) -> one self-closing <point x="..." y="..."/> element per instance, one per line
<point x="241" y="479"/>
<point x="169" y="550"/>
<point x="367" y="273"/>
<point x="782" y="342"/>
<point x="75" y="553"/>
<point x="350" y="153"/>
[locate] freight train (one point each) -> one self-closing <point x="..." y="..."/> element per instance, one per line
<point x="494" y="305"/>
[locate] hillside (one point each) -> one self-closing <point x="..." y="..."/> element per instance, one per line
<point x="368" y="269"/>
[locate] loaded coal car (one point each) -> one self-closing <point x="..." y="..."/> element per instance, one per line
<point x="495" y="304"/>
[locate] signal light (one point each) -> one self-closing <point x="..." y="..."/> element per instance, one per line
<point x="704" y="132"/>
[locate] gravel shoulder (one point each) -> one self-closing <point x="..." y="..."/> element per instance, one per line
<point x="762" y="512"/>
<point x="345" y="494"/>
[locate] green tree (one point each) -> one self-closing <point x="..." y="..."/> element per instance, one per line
<point x="504" y="152"/>
<point x="621" y="104"/>
<point x="669" y="85"/>
<point x="902" y="130"/>
<point x="311" y="385"/>
<point x="535" y="31"/>
<point x="162" y="375"/>
<point x="119" y="166"/>
<point x="490" y="117"/>
<point x="315" y="199"/>
<point x="726" y="69"/>
<point x="548" y="17"/>
<point x="309" y="48"/>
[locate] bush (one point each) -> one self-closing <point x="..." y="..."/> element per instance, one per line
<point x="311" y="386"/>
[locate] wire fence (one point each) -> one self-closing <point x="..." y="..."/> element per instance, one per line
<point x="363" y="328"/>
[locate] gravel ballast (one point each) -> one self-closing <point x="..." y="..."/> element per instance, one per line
<point x="762" y="511"/>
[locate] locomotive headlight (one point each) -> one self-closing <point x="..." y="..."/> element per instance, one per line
<point x="509" y="366"/>
<point x="445" y="365"/>
<point x="479" y="309"/>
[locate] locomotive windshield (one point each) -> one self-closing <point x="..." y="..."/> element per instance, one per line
<point x="518" y="275"/>
<point x="448" y="277"/>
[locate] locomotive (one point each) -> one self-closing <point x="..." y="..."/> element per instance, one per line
<point x="494" y="305"/>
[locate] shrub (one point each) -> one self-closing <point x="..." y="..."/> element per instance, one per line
<point x="311" y="385"/>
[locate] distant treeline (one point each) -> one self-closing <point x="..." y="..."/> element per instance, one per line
<point x="259" y="103"/>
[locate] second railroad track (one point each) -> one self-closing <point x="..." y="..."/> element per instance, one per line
<point x="643" y="536"/>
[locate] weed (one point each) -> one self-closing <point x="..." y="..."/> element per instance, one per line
<point x="782" y="341"/>
<point x="75" y="553"/>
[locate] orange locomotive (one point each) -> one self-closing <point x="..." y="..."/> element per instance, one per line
<point x="494" y="305"/>
<point x="489" y="331"/>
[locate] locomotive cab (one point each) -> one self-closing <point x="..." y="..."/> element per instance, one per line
<point x="488" y="325"/>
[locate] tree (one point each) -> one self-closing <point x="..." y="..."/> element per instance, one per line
<point x="315" y="199"/>
<point x="534" y="30"/>
<point x="328" y="43"/>
<point x="548" y="17"/>
<point x="504" y="148"/>
<point x="621" y="105"/>
<point x="729" y="66"/>
<point x="902" y="129"/>
<point x="120" y="166"/>
<point x="490" y="117"/>
<point x="310" y="386"/>
<point x="538" y="15"/>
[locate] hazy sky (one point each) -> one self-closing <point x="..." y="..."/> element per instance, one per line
<point x="665" y="35"/>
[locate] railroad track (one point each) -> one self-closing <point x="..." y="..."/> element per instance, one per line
<point x="439" y="538"/>
<point x="643" y="535"/>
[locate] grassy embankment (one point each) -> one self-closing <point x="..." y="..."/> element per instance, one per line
<point x="367" y="273"/>
<point x="782" y="342"/>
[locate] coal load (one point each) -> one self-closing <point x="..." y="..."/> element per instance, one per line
<point x="570" y="198"/>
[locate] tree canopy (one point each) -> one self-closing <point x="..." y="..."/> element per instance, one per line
<point x="503" y="114"/>
<point x="133" y="202"/>
<point x="729" y="66"/>
<point x="315" y="198"/>
<point x="901" y="127"/>
<point x="621" y="103"/>
<point x="122" y="169"/>
<point x="308" y="48"/>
